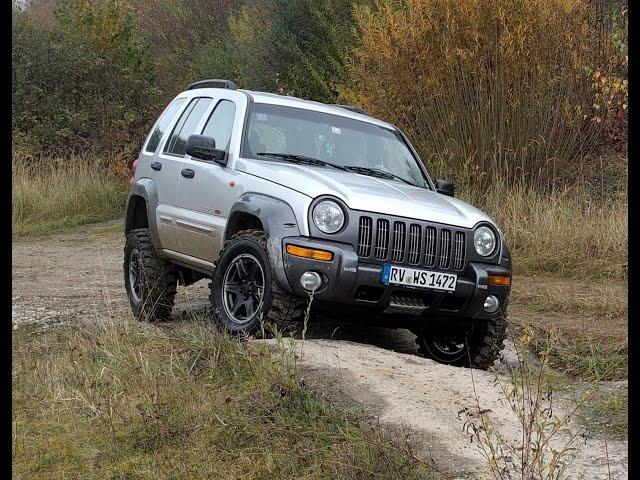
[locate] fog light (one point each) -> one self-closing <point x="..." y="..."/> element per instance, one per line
<point x="491" y="304"/>
<point x="311" y="281"/>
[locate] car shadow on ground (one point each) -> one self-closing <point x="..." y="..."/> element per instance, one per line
<point x="327" y="327"/>
<point x="193" y="302"/>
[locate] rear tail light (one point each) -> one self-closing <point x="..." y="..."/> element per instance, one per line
<point x="134" y="165"/>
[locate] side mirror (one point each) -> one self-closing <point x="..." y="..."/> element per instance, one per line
<point x="204" y="148"/>
<point x="445" y="187"/>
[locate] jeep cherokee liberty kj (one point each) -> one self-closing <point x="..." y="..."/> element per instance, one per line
<point x="273" y="197"/>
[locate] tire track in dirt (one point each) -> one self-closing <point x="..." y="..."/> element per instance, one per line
<point x="77" y="276"/>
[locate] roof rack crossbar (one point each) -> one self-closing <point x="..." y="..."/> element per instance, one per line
<point x="351" y="109"/>
<point x="213" y="83"/>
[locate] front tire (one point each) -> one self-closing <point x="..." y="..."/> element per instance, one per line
<point x="244" y="292"/>
<point x="477" y="347"/>
<point x="150" y="280"/>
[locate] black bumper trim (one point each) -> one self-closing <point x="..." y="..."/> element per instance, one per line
<point x="347" y="277"/>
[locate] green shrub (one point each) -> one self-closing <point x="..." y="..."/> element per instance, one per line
<point x="83" y="83"/>
<point x="295" y="47"/>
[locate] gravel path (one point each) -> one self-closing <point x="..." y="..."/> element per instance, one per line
<point x="77" y="276"/>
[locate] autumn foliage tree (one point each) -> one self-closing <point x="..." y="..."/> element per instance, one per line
<point x="485" y="87"/>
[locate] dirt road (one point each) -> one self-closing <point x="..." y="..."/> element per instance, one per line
<point x="77" y="277"/>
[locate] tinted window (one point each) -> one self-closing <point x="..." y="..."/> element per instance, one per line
<point x="162" y="124"/>
<point x="220" y="124"/>
<point x="186" y="125"/>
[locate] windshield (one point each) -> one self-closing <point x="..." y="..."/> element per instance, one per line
<point x="290" y="134"/>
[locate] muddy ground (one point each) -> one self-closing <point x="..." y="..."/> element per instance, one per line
<point x="77" y="276"/>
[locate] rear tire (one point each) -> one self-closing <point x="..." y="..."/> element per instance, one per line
<point x="150" y="280"/>
<point x="478" y="347"/>
<point x="244" y="292"/>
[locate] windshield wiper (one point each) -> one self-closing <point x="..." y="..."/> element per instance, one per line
<point x="301" y="159"/>
<point x="376" y="172"/>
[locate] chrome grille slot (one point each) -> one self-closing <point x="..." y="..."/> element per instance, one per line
<point x="430" y="247"/>
<point x="445" y="248"/>
<point x="382" y="239"/>
<point x="397" y="251"/>
<point x="458" y="251"/>
<point x="415" y="240"/>
<point x="364" y="236"/>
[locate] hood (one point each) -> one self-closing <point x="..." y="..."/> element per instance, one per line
<point x="361" y="192"/>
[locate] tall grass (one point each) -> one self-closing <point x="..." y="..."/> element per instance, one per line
<point x="50" y="193"/>
<point x="132" y="400"/>
<point x="566" y="233"/>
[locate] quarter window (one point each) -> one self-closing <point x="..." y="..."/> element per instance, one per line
<point x="162" y="124"/>
<point x="220" y="124"/>
<point x="186" y="126"/>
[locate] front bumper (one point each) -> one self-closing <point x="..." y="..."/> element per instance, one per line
<point x="349" y="282"/>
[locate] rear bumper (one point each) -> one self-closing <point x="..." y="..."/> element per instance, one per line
<point x="351" y="283"/>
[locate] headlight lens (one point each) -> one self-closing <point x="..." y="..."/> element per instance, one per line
<point x="328" y="216"/>
<point x="484" y="240"/>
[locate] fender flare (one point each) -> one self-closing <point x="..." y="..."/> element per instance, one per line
<point x="278" y="222"/>
<point x="147" y="189"/>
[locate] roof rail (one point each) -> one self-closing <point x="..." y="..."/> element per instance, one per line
<point x="352" y="109"/>
<point x="213" y="83"/>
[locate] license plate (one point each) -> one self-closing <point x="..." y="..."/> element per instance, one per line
<point x="414" y="277"/>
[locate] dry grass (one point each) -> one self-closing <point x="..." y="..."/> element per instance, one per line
<point x="131" y="400"/>
<point x="564" y="233"/>
<point x="51" y="194"/>
<point x="581" y="325"/>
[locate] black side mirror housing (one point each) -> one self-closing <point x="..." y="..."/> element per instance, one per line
<point x="204" y="148"/>
<point x="445" y="187"/>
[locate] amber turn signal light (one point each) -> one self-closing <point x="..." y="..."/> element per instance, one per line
<point x="312" y="253"/>
<point x="499" y="280"/>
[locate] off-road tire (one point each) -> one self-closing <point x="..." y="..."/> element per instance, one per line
<point x="159" y="278"/>
<point x="484" y="341"/>
<point x="279" y="308"/>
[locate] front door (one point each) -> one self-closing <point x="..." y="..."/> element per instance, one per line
<point x="169" y="162"/>
<point x="204" y="196"/>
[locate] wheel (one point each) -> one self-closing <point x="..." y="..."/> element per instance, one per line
<point x="150" y="281"/>
<point x="244" y="293"/>
<point x="477" y="347"/>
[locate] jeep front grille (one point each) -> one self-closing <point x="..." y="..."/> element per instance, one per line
<point x="458" y="251"/>
<point x="430" y="247"/>
<point x="364" y="237"/>
<point x="412" y="243"/>
<point x="445" y="248"/>
<point x="397" y="252"/>
<point x="382" y="239"/>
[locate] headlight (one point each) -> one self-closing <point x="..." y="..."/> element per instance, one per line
<point x="328" y="216"/>
<point x="484" y="240"/>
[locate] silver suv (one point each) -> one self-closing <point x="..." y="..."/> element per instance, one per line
<point x="275" y="199"/>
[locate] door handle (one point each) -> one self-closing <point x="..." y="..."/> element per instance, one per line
<point x="156" y="166"/>
<point x="187" y="173"/>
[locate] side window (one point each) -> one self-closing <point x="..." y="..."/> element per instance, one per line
<point x="186" y="126"/>
<point x="162" y="124"/>
<point x="220" y="124"/>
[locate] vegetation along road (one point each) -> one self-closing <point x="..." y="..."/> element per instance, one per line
<point x="77" y="279"/>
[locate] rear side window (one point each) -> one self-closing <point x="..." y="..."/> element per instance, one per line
<point x="186" y="125"/>
<point x="220" y="124"/>
<point x="162" y="124"/>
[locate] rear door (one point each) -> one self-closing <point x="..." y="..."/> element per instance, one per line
<point x="168" y="163"/>
<point x="206" y="197"/>
<point x="149" y="166"/>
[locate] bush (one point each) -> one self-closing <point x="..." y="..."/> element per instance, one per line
<point x="296" y="47"/>
<point x="484" y="87"/>
<point x="83" y="83"/>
